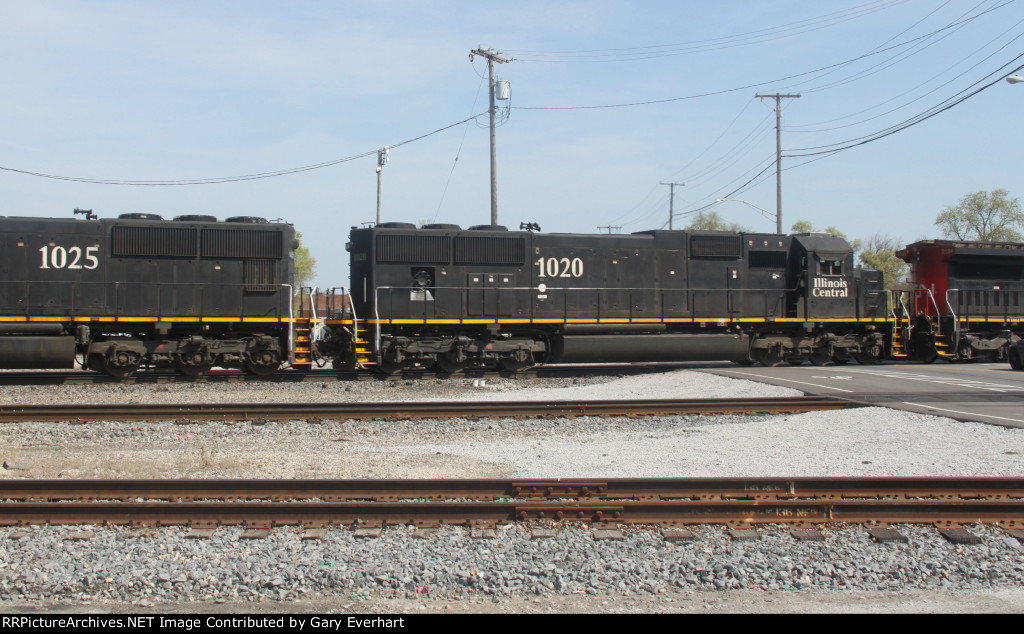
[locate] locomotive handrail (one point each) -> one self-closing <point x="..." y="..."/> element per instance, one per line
<point x="931" y="296"/>
<point x="291" y="322"/>
<point x="315" y="325"/>
<point x="903" y="303"/>
<point x="896" y="297"/>
<point x="689" y="293"/>
<point x="1005" y="304"/>
<point x="376" y="317"/>
<point x="938" y="314"/>
<point x="73" y="312"/>
<point x="901" y="298"/>
<point x="956" y="322"/>
<point x="355" y="323"/>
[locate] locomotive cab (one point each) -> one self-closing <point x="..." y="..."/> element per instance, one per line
<point x="835" y="305"/>
<point x="824" y="283"/>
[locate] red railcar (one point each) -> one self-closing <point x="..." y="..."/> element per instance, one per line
<point x="967" y="300"/>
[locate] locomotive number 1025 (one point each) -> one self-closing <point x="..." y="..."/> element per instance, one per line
<point x="559" y="267"/>
<point x="58" y="257"/>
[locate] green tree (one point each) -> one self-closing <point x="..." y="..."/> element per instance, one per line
<point x="982" y="216"/>
<point x="305" y="264"/>
<point x="802" y="226"/>
<point x="711" y="221"/>
<point x="880" y="253"/>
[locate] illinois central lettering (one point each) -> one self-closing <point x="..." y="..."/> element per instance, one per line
<point x="826" y="287"/>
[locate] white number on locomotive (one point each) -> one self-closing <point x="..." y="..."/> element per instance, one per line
<point x="559" y="267"/>
<point x="56" y="257"/>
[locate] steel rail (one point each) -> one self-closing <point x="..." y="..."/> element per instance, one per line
<point x="401" y="410"/>
<point x="1007" y="513"/>
<point x="752" y="489"/>
<point x="84" y="377"/>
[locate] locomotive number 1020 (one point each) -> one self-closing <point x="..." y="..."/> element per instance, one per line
<point x="559" y="267"/>
<point x="57" y="257"/>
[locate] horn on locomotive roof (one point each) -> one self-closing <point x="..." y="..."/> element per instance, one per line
<point x="88" y="213"/>
<point x="529" y="226"/>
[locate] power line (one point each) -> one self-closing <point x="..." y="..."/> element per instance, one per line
<point x="939" y="108"/>
<point x="228" y="179"/>
<point x="810" y="128"/>
<point x="760" y="36"/>
<point x="828" y="150"/>
<point x="779" y="80"/>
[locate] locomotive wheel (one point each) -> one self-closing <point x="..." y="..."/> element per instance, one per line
<point x="447" y="366"/>
<point x="516" y="361"/>
<point x="388" y="368"/>
<point x="191" y="369"/>
<point x="841" y="356"/>
<point x="451" y="362"/>
<point x="258" y="369"/>
<point x="261" y="363"/>
<point x="820" y="357"/>
<point x="123" y="369"/>
<point x="872" y="356"/>
<point x="768" y="357"/>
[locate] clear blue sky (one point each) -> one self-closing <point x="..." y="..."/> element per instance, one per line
<point x="129" y="91"/>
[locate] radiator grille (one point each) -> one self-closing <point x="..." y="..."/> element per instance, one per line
<point x="715" y="246"/>
<point x="414" y="249"/>
<point x="260" y="275"/>
<point x="242" y="243"/>
<point x="153" y="241"/>
<point x="488" y="250"/>
<point x="768" y="259"/>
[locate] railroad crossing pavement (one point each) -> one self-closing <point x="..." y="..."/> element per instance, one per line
<point x="983" y="392"/>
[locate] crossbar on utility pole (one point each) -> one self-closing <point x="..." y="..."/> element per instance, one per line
<point x="778" y="154"/>
<point x="382" y="160"/>
<point x="492" y="57"/>
<point x="671" y="199"/>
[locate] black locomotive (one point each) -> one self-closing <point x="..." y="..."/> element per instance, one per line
<point x="445" y="298"/>
<point x="139" y="290"/>
<point x="193" y="293"/>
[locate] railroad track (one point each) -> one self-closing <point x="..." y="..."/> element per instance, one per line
<point x="163" y="376"/>
<point x="395" y="410"/>
<point x="944" y="502"/>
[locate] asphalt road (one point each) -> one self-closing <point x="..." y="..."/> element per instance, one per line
<point x="983" y="392"/>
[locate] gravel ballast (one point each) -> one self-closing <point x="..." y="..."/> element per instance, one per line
<point x="448" y="569"/>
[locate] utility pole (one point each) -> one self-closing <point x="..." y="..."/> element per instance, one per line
<point x="610" y="227"/>
<point x="382" y="160"/>
<point x="492" y="57"/>
<point x="671" y="198"/>
<point x="778" y="154"/>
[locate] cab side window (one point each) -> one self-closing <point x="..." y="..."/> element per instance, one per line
<point x="830" y="267"/>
